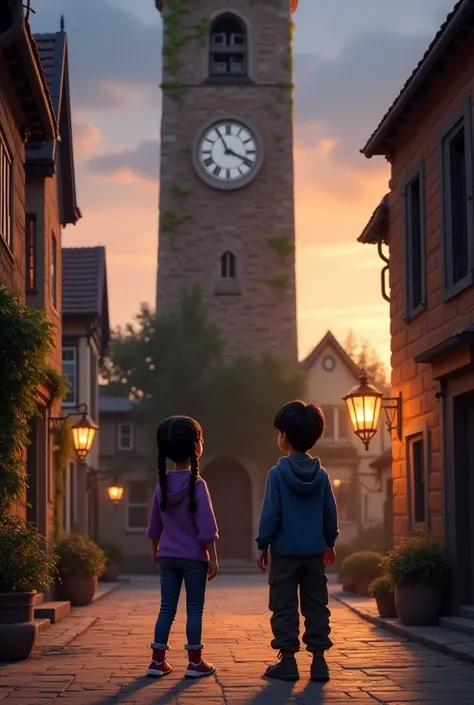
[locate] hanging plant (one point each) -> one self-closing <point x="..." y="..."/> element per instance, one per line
<point x="59" y="383"/>
<point x="26" y="341"/>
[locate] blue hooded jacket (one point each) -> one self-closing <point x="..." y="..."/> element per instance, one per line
<point x="299" y="513"/>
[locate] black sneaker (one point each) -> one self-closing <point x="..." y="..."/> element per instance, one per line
<point x="285" y="670"/>
<point x="319" y="670"/>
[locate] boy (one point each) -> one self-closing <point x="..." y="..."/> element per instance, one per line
<point x="298" y="523"/>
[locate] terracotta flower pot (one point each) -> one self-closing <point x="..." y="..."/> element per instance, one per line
<point x="111" y="573"/>
<point x="78" y="589"/>
<point x="417" y="605"/>
<point x="18" y="632"/>
<point x="386" y="607"/>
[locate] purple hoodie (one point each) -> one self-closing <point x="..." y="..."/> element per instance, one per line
<point x="181" y="533"/>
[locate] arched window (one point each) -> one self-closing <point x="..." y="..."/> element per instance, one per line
<point x="228" y="265"/>
<point x="228" y="47"/>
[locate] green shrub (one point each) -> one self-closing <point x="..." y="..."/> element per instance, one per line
<point x="381" y="587"/>
<point x="362" y="565"/>
<point x="26" y="561"/>
<point x="418" y="559"/>
<point x="113" y="553"/>
<point x="78" y="555"/>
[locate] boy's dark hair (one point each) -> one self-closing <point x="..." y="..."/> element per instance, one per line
<point x="176" y="439"/>
<point x="303" y="424"/>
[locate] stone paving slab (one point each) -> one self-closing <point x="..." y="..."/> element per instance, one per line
<point x="100" y="658"/>
<point x="448" y="641"/>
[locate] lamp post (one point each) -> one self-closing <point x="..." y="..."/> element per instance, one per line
<point x="83" y="432"/>
<point x="364" y="403"/>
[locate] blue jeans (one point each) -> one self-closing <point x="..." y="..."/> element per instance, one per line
<point x="173" y="571"/>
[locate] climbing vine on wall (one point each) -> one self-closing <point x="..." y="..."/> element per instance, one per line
<point x="63" y="450"/>
<point x="284" y="245"/>
<point x="172" y="218"/>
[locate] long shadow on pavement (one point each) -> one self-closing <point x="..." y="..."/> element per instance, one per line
<point x="275" y="693"/>
<point x="127" y="692"/>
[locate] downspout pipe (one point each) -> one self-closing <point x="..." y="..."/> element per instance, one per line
<point x="17" y="26"/>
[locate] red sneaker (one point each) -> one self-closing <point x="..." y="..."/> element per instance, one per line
<point x="197" y="668"/>
<point x="159" y="666"/>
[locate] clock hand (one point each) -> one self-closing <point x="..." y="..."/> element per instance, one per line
<point x="227" y="151"/>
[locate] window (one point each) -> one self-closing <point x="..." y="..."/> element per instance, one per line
<point x="6" y="172"/>
<point x="54" y="270"/>
<point x="228" y="48"/>
<point x="337" y="425"/>
<point x="228" y="265"/>
<point x="416" y="457"/>
<point x="458" y="207"/>
<point x="137" y="505"/>
<point x="415" y="252"/>
<point x="30" y="247"/>
<point x="125" y="436"/>
<point x="70" y="370"/>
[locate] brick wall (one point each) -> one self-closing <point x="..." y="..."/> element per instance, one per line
<point x="418" y="141"/>
<point x="12" y="261"/>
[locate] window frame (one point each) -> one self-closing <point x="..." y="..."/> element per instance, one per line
<point x="119" y="437"/>
<point x="6" y="153"/>
<point x="30" y="247"/>
<point x="418" y="433"/>
<point x="75" y="388"/>
<point x="226" y="51"/>
<point x="336" y="412"/>
<point x="54" y="271"/>
<point x="132" y="529"/>
<point x="228" y="264"/>
<point x="460" y="118"/>
<point x="412" y="310"/>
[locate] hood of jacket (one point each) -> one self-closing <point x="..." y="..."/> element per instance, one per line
<point x="177" y="485"/>
<point x="302" y="473"/>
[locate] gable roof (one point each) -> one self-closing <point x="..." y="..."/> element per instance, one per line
<point x="53" y="55"/>
<point x="453" y="30"/>
<point x="330" y="339"/>
<point x="84" y="282"/>
<point x="376" y="229"/>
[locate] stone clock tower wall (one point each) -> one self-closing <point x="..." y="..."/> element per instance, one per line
<point x="238" y="244"/>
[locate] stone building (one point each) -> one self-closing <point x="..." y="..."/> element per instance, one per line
<point x="427" y="221"/>
<point x="227" y="201"/>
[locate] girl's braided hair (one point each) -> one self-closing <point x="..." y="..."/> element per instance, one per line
<point x="176" y="439"/>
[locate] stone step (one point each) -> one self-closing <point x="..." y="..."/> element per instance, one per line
<point x="467" y="612"/>
<point x="39" y="598"/>
<point x="53" y="611"/>
<point x="42" y="624"/>
<point x="458" y="624"/>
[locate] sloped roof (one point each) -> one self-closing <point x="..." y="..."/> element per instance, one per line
<point x="84" y="281"/>
<point x="377" y="227"/>
<point x="114" y="405"/>
<point x="52" y="51"/>
<point x="453" y="29"/>
<point x="330" y="339"/>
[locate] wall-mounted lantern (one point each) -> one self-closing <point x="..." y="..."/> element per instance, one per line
<point x="364" y="403"/>
<point x="115" y="493"/>
<point x="83" y="432"/>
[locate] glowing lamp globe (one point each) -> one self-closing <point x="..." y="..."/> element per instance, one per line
<point x="363" y="404"/>
<point x="115" y="493"/>
<point x="83" y="434"/>
<point x="336" y="483"/>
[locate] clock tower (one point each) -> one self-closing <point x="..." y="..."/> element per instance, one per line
<point x="226" y="177"/>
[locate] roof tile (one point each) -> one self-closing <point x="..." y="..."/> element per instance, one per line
<point x="84" y="277"/>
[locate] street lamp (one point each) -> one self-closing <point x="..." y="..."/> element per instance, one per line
<point x="364" y="403"/>
<point x="83" y="432"/>
<point x="115" y="493"/>
<point x="336" y="483"/>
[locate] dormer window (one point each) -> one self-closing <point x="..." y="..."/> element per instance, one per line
<point x="228" y="48"/>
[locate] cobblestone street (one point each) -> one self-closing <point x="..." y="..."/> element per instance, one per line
<point x="105" y="663"/>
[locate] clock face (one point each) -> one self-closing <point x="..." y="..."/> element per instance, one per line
<point x="228" y="154"/>
<point x="329" y="363"/>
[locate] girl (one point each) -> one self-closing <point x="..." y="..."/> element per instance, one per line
<point x="183" y="530"/>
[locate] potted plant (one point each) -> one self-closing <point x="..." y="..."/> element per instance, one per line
<point x="381" y="589"/>
<point x="81" y="562"/>
<point x="26" y="565"/>
<point x="418" y="568"/>
<point x="360" y="569"/>
<point x="114" y="558"/>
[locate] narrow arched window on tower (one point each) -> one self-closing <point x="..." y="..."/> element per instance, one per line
<point x="228" y="47"/>
<point x="228" y="265"/>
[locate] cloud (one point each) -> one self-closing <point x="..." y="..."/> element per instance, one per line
<point x="87" y="139"/>
<point x="138" y="163"/>
<point x="112" y="53"/>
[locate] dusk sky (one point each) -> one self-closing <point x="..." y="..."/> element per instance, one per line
<point x="351" y="59"/>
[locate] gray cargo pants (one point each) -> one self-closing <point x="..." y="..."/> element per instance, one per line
<point x="286" y="575"/>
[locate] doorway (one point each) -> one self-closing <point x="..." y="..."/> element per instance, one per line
<point x="463" y="495"/>
<point x="231" y="493"/>
<point x="32" y="473"/>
